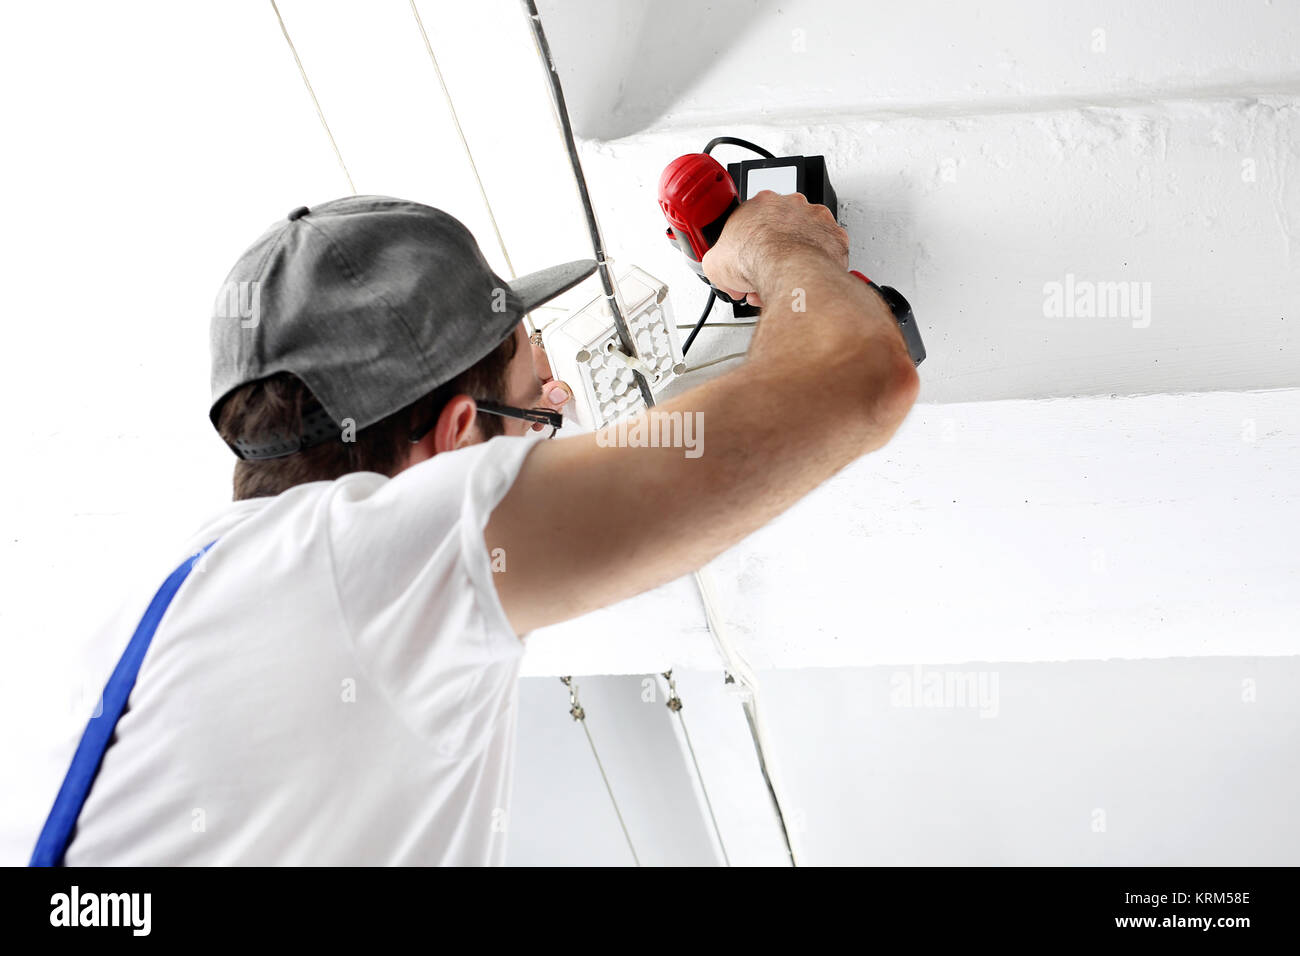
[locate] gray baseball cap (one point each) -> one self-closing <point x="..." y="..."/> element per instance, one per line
<point x="372" y="302"/>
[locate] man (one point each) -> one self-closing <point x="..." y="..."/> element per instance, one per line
<point x="335" y="681"/>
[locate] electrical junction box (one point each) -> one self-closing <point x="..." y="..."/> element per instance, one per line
<point x="585" y="352"/>
<point x="786" y="174"/>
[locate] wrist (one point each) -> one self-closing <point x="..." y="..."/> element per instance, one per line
<point x="779" y="267"/>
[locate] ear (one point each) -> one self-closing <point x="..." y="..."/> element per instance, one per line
<point x="455" y="429"/>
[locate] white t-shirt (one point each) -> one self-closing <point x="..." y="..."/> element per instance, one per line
<point x="335" y="683"/>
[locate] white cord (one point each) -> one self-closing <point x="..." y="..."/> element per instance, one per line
<point x="633" y="362"/>
<point x="739" y="669"/>
<point x="673" y="696"/>
<point x="610" y="790"/>
<point x="736" y="665"/>
<point x="469" y="155"/>
<point x="579" y="713"/>
<point x="716" y="361"/>
<point x="307" y="83"/>
<point x="560" y="113"/>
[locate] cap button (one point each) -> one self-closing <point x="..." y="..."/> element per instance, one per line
<point x="298" y="213"/>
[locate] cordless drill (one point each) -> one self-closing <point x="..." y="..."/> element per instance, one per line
<point x="697" y="195"/>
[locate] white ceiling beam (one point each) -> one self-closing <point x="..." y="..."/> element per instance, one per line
<point x="1068" y="529"/>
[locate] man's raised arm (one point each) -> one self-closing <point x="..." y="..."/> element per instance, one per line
<point x="826" y="380"/>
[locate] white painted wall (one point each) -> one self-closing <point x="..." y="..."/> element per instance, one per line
<point x="981" y="151"/>
<point x="973" y="216"/>
<point x="1183" y="762"/>
<point x="655" y="63"/>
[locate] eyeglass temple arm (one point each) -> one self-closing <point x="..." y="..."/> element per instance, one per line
<point x="540" y="415"/>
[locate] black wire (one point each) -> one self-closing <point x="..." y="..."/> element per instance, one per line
<point x="713" y="293"/>
<point x="732" y="141"/>
<point x="704" y="317"/>
<point x="593" y="227"/>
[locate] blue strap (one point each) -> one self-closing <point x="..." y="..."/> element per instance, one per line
<point x="53" y="841"/>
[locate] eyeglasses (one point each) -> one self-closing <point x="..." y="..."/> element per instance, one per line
<point x="542" y="419"/>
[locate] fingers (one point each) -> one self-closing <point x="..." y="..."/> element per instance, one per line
<point x="734" y="295"/>
<point x="743" y="298"/>
<point x="759" y="234"/>
<point x="541" y="363"/>
<point x="555" y="395"/>
<point x="720" y="265"/>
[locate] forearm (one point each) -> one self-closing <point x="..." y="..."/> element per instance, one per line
<point x="827" y="379"/>
<point x="588" y="524"/>
<point x="834" y="342"/>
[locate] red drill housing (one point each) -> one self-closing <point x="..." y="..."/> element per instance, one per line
<point x="696" y="195"/>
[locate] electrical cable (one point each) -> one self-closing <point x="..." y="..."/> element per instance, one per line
<point x="728" y="654"/>
<point x="713" y="293"/>
<point x="731" y="658"/>
<point x="722" y="325"/>
<point x="469" y="155"/>
<point x="738" y="670"/>
<point x="733" y="141"/>
<point x="675" y="705"/>
<point x="716" y="361"/>
<point x="307" y="83"/>
<point x="704" y="317"/>
<point x="613" y="296"/>
<point x="579" y="713"/>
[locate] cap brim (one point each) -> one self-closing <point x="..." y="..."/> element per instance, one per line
<point x="545" y="284"/>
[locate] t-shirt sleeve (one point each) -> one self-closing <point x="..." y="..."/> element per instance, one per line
<point x="415" y="586"/>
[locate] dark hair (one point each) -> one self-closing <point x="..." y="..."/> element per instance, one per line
<point x="275" y="406"/>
